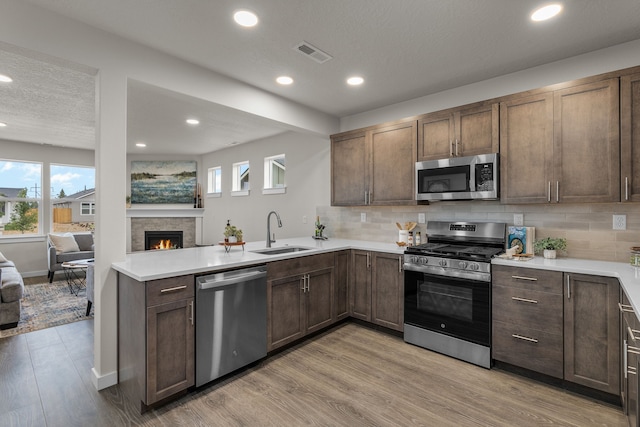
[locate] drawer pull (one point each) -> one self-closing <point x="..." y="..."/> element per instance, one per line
<point x="532" y="279"/>
<point x="632" y="334"/>
<point x="625" y="308"/>
<point x="520" y="337"/>
<point x="531" y="301"/>
<point x="177" y="288"/>
<point x="631" y="370"/>
<point x="633" y="350"/>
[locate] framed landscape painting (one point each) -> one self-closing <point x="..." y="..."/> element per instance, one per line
<point x="158" y="182"/>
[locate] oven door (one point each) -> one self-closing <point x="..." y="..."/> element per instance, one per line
<point x="457" y="307"/>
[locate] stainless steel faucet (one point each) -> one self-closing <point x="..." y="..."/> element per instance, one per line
<point x="269" y="241"/>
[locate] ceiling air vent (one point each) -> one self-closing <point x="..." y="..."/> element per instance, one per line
<point x="312" y="52"/>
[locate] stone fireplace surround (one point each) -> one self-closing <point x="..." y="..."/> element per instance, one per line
<point x="189" y="221"/>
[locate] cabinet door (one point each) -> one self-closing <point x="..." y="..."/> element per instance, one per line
<point x="436" y="134"/>
<point x="349" y="169"/>
<point x="387" y="291"/>
<point x="629" y="366"/>
<point x="476" y="130"/>
<point x="591" y="332"/>
<point x="319" y="299"/>
<point x="526" y="149"/>
<point x="360" y="285"/>
<point x="170" y="349"/>
<point x="393" y="158"/>
<point x="630" y="138"/>
<point x="341" y="285"/>
<point x="286" y="311"/>
<point x="586" y="143"/>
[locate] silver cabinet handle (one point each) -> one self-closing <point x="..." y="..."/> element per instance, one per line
<point x="457" y="147"/>
<point x="520" y="337"/>
<point x="631" y="370"/>
<point x="368" y="260"/>
<point x="451" y="148"/>
<point x="549" y="192"/>
<point x="531" y="301"/>
<point x="624" y="358"/>
<point x="625" y="308"/>
<point x="633" y="350"/>
<point x="191" y="306"/>
<point x="369" y="197"/>
<point x="303" y="283"/>
<point x="177" y="288"/>
<point x="400" y="264"/>
<point x="632" y="334"/>
<point x="308" y="282"/>
<point x="365" y="197"/>
<point x="557" y="191"/>
<point x="626" y="188"/>
<point x="568" y="287"/>
<point x="533" y="279"/>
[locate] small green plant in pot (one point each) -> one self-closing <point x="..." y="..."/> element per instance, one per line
<point x="549" y="246"/>
<point x="232" y="233"/>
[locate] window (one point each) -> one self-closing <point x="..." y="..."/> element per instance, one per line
<point x="20" y="198"/>
<point x="274" y="169"/>
<point x="214" y="182"/>
<point x="73" y="203"/>
<point x="240" y="186"/>
<point x="88" y="208"/>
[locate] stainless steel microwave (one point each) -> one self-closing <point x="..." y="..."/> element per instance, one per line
<point x="458" y="178"/>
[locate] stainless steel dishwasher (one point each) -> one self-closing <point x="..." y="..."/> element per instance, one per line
<point x="231" y="321"/>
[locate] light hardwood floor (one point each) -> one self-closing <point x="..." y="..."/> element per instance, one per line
<point x="348" y="376"/>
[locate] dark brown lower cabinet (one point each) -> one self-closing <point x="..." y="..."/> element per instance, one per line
<point x="591" y="331"/>
<point x="342" y="261"/>
<point x="156" y="353"/>
<point x="377" y="288"/>
<point x="300" y="298"/>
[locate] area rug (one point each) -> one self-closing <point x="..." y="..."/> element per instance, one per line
<point x="45" y="305"/>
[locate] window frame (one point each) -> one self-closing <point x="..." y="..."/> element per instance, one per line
<point x="214" y="184"/>
<point x="237" y="178"/>
<point x="39" y="226"/>
<point x="269" y="163"/>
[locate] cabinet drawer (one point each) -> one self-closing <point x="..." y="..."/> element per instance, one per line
<point x="294" y="266"/>
<point x="527" y="278"/>
<point x="534" y="309"/>
<point x="528" y="348"/>
<point x="171" y="289"/>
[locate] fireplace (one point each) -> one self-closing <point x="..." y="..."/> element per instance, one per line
<point x="162" y="240"/>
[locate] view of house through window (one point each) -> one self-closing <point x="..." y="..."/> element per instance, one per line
<point x="240" y="176"/>
<point x="72" y="198"/>
<point x="20" y="198"/>
<point x="274" y="168"/>
<point x="214" y="181"/>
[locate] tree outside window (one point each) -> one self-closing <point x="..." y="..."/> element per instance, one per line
<point x="20" y="198"/>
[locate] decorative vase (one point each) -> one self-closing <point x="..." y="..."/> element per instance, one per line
<point x="549" y="253"/>
<point x="233" y="239"/>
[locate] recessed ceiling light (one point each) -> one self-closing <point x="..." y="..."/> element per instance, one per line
<point x="5" y="79"/>
<point x="193" y="121"/>
<point x="245" y="18"/>
<point x="3" y="125"/>
<point x="355" y="80"/>
<point x="546" y="12"/>
<point x="284" y="80"/>
<point x="141" y="144"/>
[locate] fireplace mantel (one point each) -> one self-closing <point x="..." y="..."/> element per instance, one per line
<point x="165" y="212"/>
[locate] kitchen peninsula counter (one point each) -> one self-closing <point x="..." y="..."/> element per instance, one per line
<point x="627" y="275"/>
<point x="161" y="264"/>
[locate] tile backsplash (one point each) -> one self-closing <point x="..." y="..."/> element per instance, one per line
<point x="588" y="228"/>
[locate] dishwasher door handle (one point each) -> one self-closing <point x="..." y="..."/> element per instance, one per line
<point x="214" y="284"/>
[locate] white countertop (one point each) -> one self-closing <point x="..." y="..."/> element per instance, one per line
<point x="151" y="265"/>
<point x="628" y="276"/>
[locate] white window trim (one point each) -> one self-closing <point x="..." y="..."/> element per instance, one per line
<point x="268" y="179"/>
<point x="92" y="208"/>
<point x="240" y="193"/>
<point x="278" y="190"/>
<point x="211" y="184"/>
<point x="235" y="184"/>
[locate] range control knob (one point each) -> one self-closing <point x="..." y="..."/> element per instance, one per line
<point x="474" y="267"/>
<point x="424" y="260"/>
<point x="463" y="264"/>
<point x="413" y="259"/>
<point x="442" y="263"/>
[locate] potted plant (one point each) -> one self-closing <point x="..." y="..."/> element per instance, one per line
<point x="232" y="234"/>
<point x="549" y="245"/>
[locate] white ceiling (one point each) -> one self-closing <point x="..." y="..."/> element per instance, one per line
<point x="403" y="48"/>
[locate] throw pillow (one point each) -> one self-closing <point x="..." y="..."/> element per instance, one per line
<point x="64" y="243"/>
<point x="2" y="258"/>
<point x="84" y="241"/>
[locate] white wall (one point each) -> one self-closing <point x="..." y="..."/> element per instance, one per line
<point x="589" y="64"/>
<point x="307" y="179"/>
<point x="29" y="254"/>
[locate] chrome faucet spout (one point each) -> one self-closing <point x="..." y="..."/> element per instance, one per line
<point x="269" y="239"/>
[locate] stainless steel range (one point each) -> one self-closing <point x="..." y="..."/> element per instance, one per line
<point x="448" y="289"/>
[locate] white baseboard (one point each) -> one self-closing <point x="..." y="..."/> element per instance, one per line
<point x="104" y="381"/>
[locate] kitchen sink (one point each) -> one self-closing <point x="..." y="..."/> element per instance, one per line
<point x="277" y="251"/>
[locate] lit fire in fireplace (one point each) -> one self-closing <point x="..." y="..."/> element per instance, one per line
<point x="163" y="244"/>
